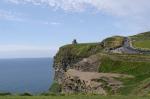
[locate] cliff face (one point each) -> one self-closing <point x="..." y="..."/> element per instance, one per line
<point x="98" y="68"/>
<point x="71" y="54"/>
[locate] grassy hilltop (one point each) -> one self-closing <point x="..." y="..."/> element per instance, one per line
<point x="141" y="41"/>
<point x="136" y="64"/>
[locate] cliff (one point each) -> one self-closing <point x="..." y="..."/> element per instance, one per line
<point x="114" y="66"/>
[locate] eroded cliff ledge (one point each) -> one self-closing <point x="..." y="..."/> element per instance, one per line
<point x="108" y="67"/>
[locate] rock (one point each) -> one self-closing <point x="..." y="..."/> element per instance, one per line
<point x="77" y="65"/>
<point x="91" y="82"/>
<point x="90" y="64"/>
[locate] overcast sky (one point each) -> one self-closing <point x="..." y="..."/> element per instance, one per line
<point x="37" y="28"/>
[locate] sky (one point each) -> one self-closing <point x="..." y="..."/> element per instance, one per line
<point x="37" y="28"/>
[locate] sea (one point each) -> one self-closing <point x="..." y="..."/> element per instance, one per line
<point x="32" y="75"/>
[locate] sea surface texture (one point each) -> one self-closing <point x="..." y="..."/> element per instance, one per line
<point x="34" y="75"/>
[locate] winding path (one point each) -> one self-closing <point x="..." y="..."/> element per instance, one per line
<point x="127" y="48"/>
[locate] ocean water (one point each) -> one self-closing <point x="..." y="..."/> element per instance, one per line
<point x="34" y="75"/>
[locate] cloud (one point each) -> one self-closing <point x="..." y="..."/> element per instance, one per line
<point x="115" y="7"/>
<point x="51" y="23"/>
<point x="133" y="13"/>
<point x="55" y="23"/>
<point x="10" y="16"/>
<point x="14" y="1"/>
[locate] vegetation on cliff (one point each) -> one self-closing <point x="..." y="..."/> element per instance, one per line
<point x="131" y="65"/>
<point x="87" y="57"/>
<point x="141" y="41"/>
<point x="73" y="97"/>
<point x="113" y="42"/>
<point x="55" y="88"/>
<point x="78" y="51"/>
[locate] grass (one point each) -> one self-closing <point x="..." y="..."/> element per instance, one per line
<point x="144" y="44"/>
<point x="82" y="50"/>
<point x="143" y="88"/>
<point x="113" y="42"/>
<point x="74" y="97"/>
<point x="125" y="65"/>
<point x="55" y="88"/>
<point x="135" y="65"/>
<point x="26" y="94"/>
<point x="70" y="54"/>
<point x="5" y="94"/>
<point x="141" y="41"/>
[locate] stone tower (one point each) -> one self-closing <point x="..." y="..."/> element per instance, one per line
<point x="74" y="41"/>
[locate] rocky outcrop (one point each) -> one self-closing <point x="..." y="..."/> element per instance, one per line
<point x="83" y="77"/>
<point x="90" y="64"/>
<point x="91" y="82"/>
<point x="68" y="57"/>
<point x="77" y="66"/>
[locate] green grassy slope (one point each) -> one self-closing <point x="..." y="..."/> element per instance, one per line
<point x="143" y="88"/>
<point x="74" y="97"/>
<point x="113" y="42"/>
<point x="136" y="65"/>
<point x="81" y="50"/>
<point x="70" y="54"/>
<point x="141" y="40"/>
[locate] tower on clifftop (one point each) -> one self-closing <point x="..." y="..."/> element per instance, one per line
<point x="74" y="41"/>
